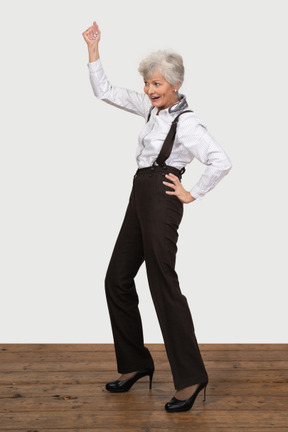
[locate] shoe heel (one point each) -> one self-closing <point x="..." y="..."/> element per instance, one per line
<point x="204" y="393"/>
<point x="150" y="383"/>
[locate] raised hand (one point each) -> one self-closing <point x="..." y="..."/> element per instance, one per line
<point x="92" y="35"/>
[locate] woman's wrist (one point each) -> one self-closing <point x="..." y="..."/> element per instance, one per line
<point x="190" y="198"/>
<point x="93" y="54"/>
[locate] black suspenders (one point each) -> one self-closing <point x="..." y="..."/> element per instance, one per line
<point x="169" y="140"/>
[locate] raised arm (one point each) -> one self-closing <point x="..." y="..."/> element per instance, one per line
<point x="128" y="100"/>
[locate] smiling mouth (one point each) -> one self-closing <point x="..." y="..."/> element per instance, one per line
<point x="155" y="97"/>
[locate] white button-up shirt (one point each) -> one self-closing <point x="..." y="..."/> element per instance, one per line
<point x="192" y="138"/>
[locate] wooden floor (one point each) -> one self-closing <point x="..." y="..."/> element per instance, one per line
<point x="58" y="387"/>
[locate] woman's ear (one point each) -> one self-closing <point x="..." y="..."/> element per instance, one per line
<point x="177" y="86"/>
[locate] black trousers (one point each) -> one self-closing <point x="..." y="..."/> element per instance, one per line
<point x="149" y="233"/>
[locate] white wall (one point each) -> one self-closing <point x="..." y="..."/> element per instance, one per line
<point x="66" y="173"/>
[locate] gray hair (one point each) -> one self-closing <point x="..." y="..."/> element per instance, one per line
<point x="168" y="63"/>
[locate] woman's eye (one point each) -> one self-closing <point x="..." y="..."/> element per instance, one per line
<point x="157" y="84"/>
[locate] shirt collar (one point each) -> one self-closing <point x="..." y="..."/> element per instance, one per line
<point x="180" y="105"/>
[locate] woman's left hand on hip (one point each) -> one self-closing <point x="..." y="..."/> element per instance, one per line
<point x="178" y="190"/>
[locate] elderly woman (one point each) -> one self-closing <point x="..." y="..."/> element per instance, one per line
<point x="171" y="137"/>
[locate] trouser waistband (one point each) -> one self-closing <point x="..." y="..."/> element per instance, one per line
<point x="165" y="169"/>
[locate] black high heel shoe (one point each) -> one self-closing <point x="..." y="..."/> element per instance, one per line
<point x="123" y="386"/>
<point x="176" y="405"/>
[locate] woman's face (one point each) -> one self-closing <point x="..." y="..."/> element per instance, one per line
<point x="161" y="93"/>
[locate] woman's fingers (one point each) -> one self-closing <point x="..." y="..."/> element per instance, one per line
<point x="95" y="31"/>
<point x="171" y="185"/>
<point x="96" y="27"/>
<point x="177" y="189"/>
<point x="92" y="33"/>
<point x="174" y="179"/>
<point x="86" y="34"/>
<point x="174" y="185"/>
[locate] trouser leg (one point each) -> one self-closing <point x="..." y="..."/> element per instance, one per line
<point x="122" y="298"/>
<point x="160" y="216"/>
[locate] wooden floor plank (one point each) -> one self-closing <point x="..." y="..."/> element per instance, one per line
<point x="198" y="428"/>
<point x="52" y="347"/>
<point x="214" y="389"/>
<point x="96" y="377"/>
<point x="237" y="359"/>
<point x="95" y="429"/>
<point x="139" y="403"/>
<point x="210" y="428"/>
<point x="156" y="419"/>
<point x="109" y="356"/>
<point x="103" y="365"/>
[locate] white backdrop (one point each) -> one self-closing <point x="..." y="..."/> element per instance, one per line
<point x="66" y="173"/>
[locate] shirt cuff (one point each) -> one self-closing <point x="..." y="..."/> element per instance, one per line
<point x="196" y="194"/>
<point x="94" y="66"/>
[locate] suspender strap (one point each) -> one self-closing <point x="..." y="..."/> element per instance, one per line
<point x="169" y="141"/>
<point x="149" y="114"/>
